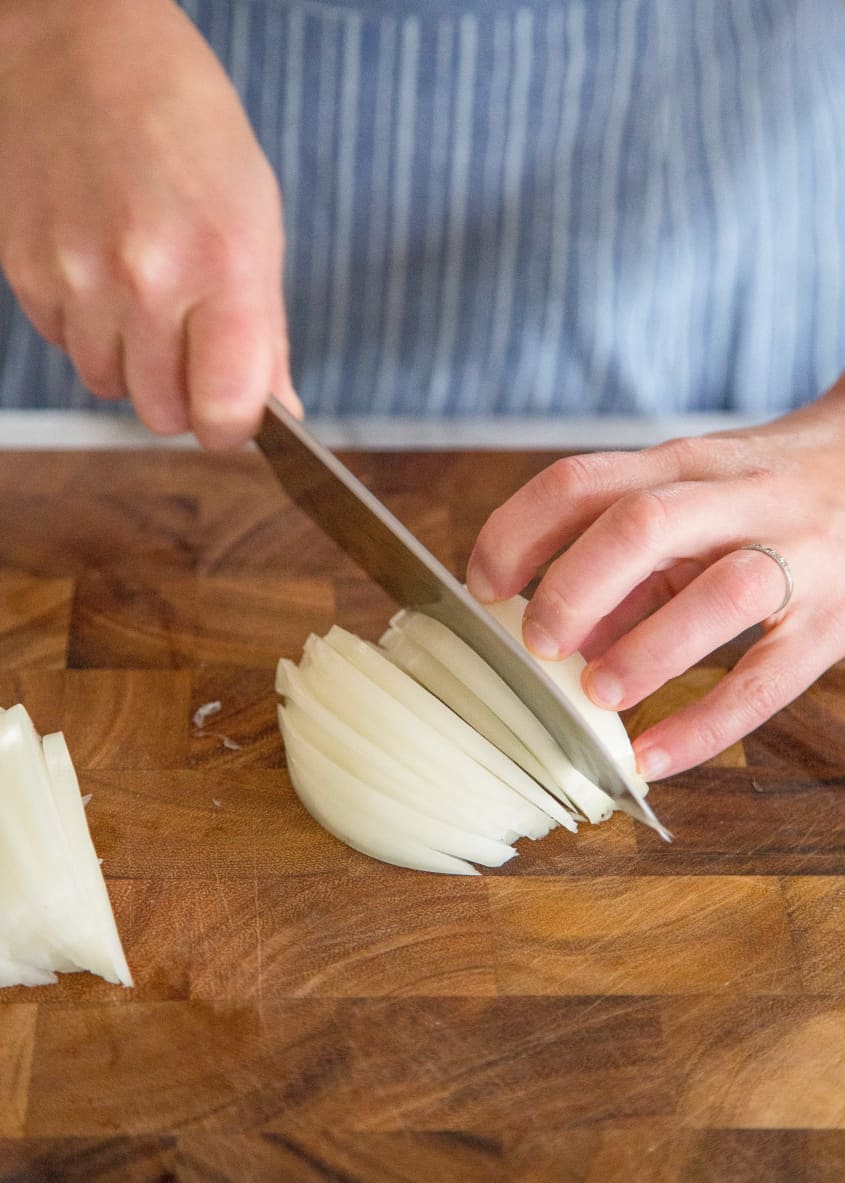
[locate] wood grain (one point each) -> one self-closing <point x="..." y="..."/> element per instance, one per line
<point x="605" y="1007"/>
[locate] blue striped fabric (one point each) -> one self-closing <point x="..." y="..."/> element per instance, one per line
<point x="592" y="206"/>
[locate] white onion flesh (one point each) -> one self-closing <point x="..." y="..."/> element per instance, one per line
<point x="546" y="760"/>
<point x="55" y="913"/>
<point x="371" y="710"/>
<point x="363" y="757"/>
<point x="444" y="719"/>
<point x="367" y="803"/>
<point x="566" y="674"/>
<point x="418" y="754"/>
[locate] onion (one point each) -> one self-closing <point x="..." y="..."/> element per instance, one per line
<point x="55" y="913"/>
<point x="417" y="753"/>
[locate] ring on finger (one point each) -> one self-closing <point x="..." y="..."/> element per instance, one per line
<point x="784" y="566"/>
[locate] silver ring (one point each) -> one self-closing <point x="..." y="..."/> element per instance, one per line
<point x="784" y="566"/>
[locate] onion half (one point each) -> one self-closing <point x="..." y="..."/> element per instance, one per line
<point x="417" y="753"/>
<point x="55" y="912"/>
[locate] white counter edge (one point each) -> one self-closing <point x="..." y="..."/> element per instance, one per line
<point x="52" y="430"/>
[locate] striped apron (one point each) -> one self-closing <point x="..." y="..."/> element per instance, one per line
<point x="584" y="207"/>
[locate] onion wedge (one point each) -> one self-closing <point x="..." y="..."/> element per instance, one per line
<point x="448" y="722"/>
<point x="55" y="913"/>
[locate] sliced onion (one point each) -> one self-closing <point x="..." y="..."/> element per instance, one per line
<point x="371" y="710"/>
<point x="363" y="757"/>
<point x="55" y="914"/>
<point x="444" y="720"/>
<point x="417" y="753"/>
<point x="352" y="801"/>
<point x="478" y="683"/>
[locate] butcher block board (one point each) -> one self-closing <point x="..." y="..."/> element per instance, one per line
<point x="605" y="1007"/>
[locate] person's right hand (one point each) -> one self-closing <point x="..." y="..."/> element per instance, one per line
<point x="140" y="223"/>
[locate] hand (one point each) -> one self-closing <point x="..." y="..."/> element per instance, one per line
<point x="653" y="576"/>
<point x="140" y="226"/>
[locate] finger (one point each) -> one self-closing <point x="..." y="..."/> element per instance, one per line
<point x="155" y="372"/>
<point x="231" y="363"/>
<point x="738" y="591"/>
<point x="93" y="344"/>
<point x="47" y="320"/>
<point x="646" y="598"/>
<point x="553" y="508"/>
<point x="640" y="533"/>
<point x="549" y="511"/>
<point x="771" y="674"/>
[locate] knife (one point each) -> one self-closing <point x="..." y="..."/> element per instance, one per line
<point x="388" y="552"/>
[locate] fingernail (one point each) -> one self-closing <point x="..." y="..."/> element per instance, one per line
<point x="604" y="688"/>
<point x="652" y="763"/>
<point x="539" y="641"/>
<point x="479" y="585"/>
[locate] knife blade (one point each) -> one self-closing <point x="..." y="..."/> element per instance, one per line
<point x="353" y="517"/>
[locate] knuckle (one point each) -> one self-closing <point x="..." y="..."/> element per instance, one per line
<point x="760" y="695"/>
<point x="642" y="518"/>
<point x="151" y="266"/>
<point x="712" y="735"/>
<point x="567" y="479"/>
<point x="550" y="602"/>
<point x="81" y="271"/>
<point x="225" y="253"/>
<point x="686" y="456"/>
<point x="717" y="457"/>
<point x="747" y="589"/>
<point x="145" y="266"/>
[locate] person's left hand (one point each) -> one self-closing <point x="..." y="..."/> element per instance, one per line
<point x="655" y="575"/>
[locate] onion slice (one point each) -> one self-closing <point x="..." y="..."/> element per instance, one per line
<point x="55" y="913"/>
<point x="363" y="757"/>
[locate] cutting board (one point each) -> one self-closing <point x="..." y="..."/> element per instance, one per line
<point x="604" y="1007"/>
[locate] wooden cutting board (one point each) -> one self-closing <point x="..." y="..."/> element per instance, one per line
<point x="605" y="1007"/>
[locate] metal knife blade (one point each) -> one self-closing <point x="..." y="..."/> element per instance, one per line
<point x="388" y="552"/>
